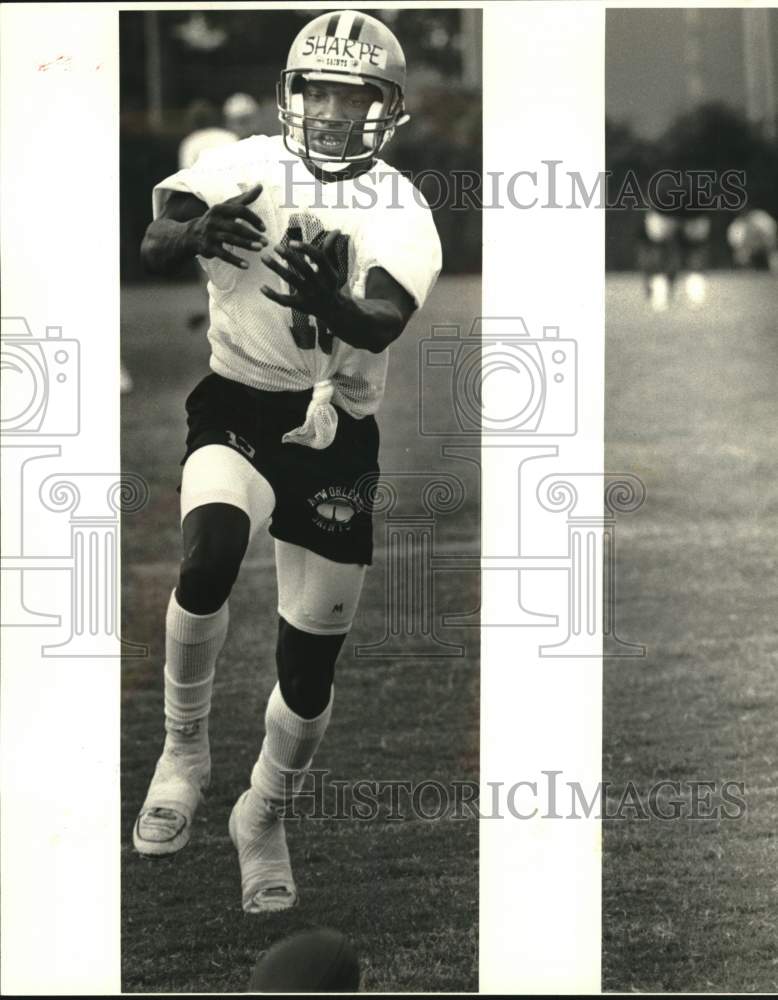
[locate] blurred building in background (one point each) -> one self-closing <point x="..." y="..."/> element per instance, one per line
<point x="172" y="59"/>
<point x="691" y="89"/>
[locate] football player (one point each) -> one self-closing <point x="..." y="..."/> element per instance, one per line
<point x="695" y="241"/>
<point x="658" y="256"/>
<point x="317" y="255"/>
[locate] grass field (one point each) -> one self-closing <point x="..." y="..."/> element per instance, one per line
<point x="405" y="892"/>
<point x="692" y="408"/>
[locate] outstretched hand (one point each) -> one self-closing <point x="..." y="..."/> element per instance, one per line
<point x="312" y="274"/>
<point x="231" y="222"/>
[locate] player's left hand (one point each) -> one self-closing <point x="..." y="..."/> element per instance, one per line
<point x="312" y="273"/>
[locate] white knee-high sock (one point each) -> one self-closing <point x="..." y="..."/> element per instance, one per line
<point x="289" y="745"/>
<point x="192" y="644"/>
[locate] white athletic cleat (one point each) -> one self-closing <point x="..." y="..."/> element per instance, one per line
<point x="265" y="871"/>
<point x="164" y="823"/>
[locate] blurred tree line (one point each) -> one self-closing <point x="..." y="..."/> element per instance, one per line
<point x="169" y="59"/>
<point x="712" y="137"/>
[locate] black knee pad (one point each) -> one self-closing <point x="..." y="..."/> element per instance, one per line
<point x="306" y="668"/>
<point x="215" y="538"/>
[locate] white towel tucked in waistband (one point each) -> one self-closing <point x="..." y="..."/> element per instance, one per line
<point x="321" y="420"/>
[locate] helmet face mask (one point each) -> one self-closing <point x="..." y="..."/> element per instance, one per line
<point x="336" y="50"/>
<point x="352" y="140"/>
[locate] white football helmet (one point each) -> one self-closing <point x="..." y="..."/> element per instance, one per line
<point x="348" y="47"/>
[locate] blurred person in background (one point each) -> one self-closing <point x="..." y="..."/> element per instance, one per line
<point x="206" y="132"/>
<point x="694" y="237"/>
<point x="669" y="246"/>
<point x="126" y="383"/>
<point x="753" y="240"/>
<point x="240" y="115"/>
<point x="658" y="256"/>
<point x="283" y="430"/>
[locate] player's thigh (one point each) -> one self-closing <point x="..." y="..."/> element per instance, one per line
<point x="218" y="474"/>
<point x="316" y="594"/>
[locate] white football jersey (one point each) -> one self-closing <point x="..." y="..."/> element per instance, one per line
<point x="384" y="222"/>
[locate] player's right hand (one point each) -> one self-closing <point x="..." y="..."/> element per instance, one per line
<point x="230" y="222"/>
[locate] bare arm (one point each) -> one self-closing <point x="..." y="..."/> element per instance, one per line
<point x="370" y="324"/>
<point x="187" y="228"/>
<point x="374" y="322"/>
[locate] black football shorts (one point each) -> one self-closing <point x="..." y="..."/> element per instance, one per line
<point x="322" y="497"/>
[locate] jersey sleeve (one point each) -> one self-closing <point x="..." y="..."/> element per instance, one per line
<point x="218" y="174"/>
<point x="402" y="239"/>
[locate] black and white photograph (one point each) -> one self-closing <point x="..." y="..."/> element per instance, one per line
<point x="389" y="560"/>
<point x="284" y="234"/>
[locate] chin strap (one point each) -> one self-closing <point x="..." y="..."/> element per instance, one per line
<point x="321" y="420"/>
